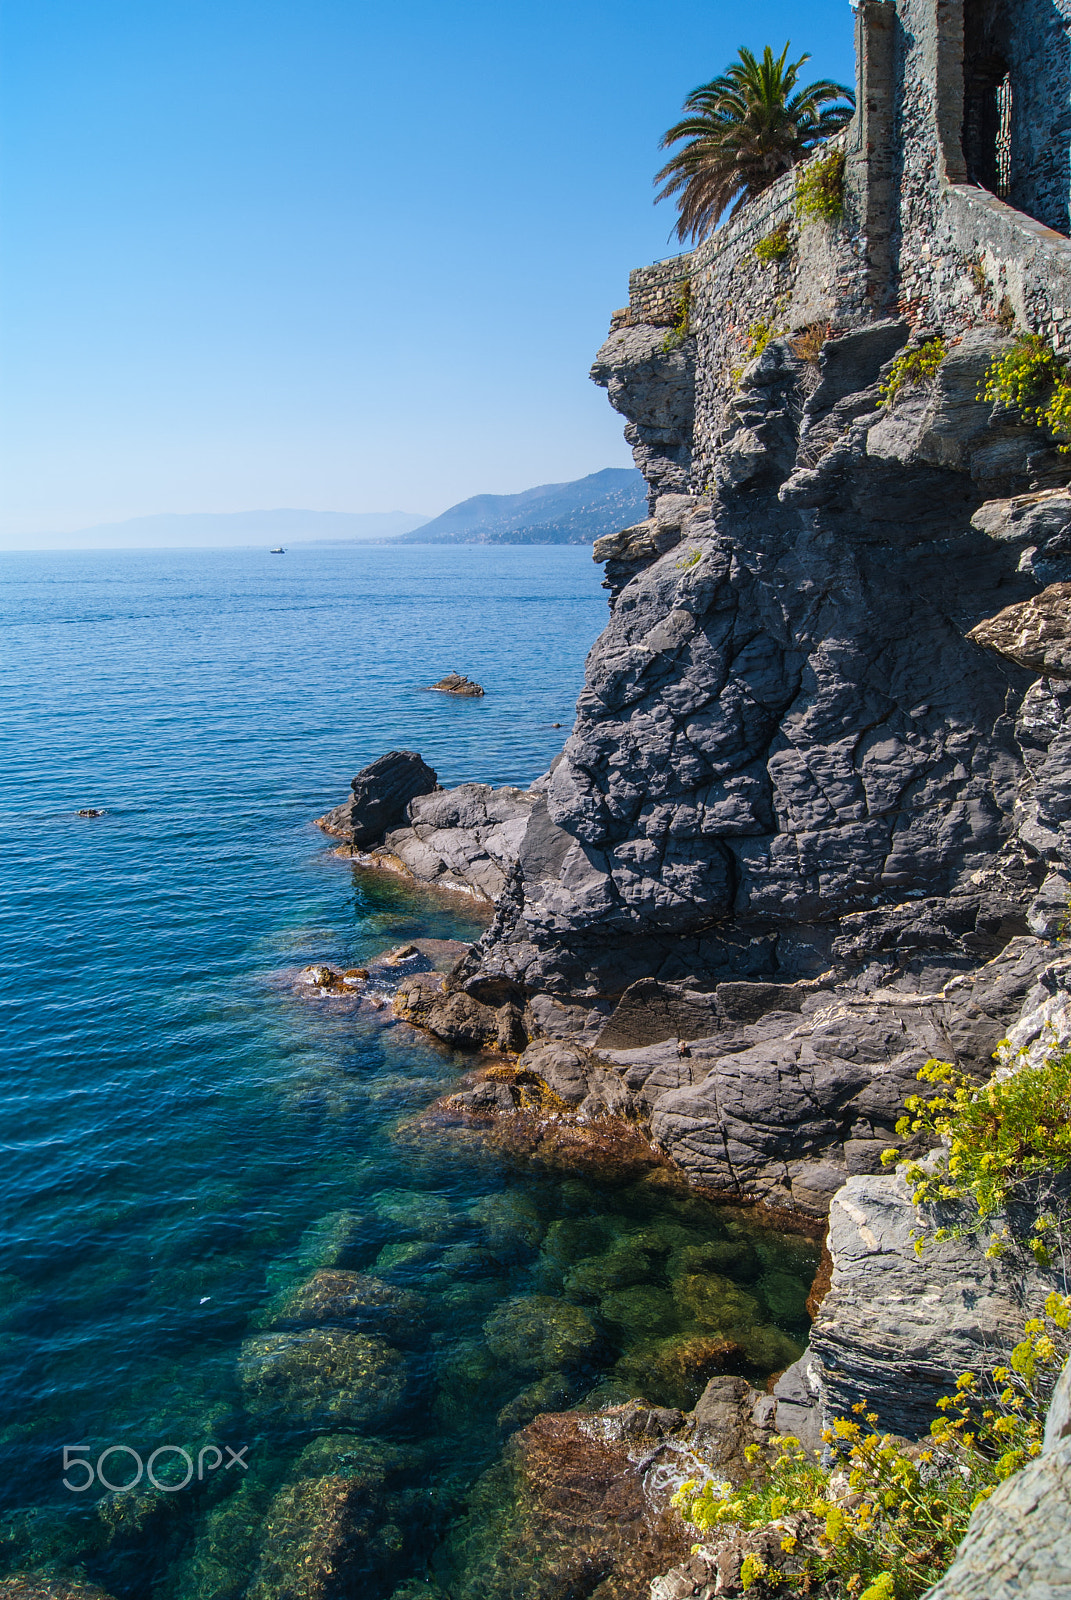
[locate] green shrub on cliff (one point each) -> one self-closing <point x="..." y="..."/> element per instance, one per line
<point x="820" y="189"/>
<point x="912" y="370"/>
<point x="1032" y="379"/>
<point x="883" y="1521"/>
<point x="1004" y="1142"/>
<point x="775" y="246"/>
<point x="681" y="322"/>
<point x="741" y="132"/>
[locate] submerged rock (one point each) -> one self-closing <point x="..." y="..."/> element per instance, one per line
<point x="352" y="1300"/>
<point x="330" y="1526"/>
<point x="27" y="1586"/>
<point x="675" y="1371"/>
<point x="535" y="1333"/>
<point x="322" y="1377"/>
<point x="565" y="1513"/>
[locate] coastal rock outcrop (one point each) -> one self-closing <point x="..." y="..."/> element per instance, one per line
<point x="381" y="792"/>
<point x="456" y="683"/>
<point x="650" y="378"/>
<point x="785" y="723"/>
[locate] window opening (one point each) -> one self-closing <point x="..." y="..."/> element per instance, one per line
<point x="1004" y="137"/>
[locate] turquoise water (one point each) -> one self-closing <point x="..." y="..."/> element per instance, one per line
<point x="190" y="1136"/>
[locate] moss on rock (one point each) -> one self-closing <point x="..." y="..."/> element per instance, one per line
<point x="322" y="1377"/>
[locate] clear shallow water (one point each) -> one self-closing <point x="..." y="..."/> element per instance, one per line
<point x="188" y="1137"/>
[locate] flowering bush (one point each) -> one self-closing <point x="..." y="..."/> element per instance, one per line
<point x="914" y="368"/>
<point x="1004" y="1141"/>
<point x="1032" y="379"/>
<point x="883" y="1521"/>
<point x="820" y="189"/>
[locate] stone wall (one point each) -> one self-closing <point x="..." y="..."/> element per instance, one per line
<point x="965" y="257"/>
<point x="736" y="299"/>
<point x="919" y="238"/>
<point x="654" y="294"/>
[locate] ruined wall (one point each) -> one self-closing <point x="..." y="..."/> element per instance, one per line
<point x="918" y="238"/>
<point x="965" y="257"/>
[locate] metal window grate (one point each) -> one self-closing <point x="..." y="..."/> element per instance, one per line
<point x="1004" y="137"/>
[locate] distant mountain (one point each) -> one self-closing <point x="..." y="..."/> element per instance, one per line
<point x="206" y="528"/>
<point x="555" y="513"/>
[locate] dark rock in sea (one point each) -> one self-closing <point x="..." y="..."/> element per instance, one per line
<point x="455" y="683"/>
<point x="381" y="793"/>
<point x="459" y="1019"/>
<point x="322" y="1377"/>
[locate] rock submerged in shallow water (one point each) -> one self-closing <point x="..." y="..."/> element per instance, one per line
<point x="352" y="1300"/>
<point x="535" y="1333"/>
<point x="712" y="1302"/>
<point x="455" y="683"/>
<point x="330" y="1526"/>
<point x="570" y="1510"/>
<point x="27" y="1586"/>
<point x="674" y="1371"/>
<point x="551" y="1393"/>
<point x="322" y="1377"/>
<point x="381" y="792"/>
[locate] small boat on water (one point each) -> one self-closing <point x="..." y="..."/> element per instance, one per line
<point x="277" y="551"/>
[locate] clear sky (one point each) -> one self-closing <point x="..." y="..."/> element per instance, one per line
<point x="329" y="254"/>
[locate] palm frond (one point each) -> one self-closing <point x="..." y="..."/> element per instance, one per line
<point x="741" y="131"/>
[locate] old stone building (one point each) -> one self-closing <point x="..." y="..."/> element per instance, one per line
<point x="956" y="215"/>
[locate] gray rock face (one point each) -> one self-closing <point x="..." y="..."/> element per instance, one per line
<point x="381" y="793"/>
<point x="790" y="1089"/>
<point x="896" y="1330"/>
<point x="785" y="724"/>
<point x="653" y="385"/>
<point x="467" y="838"/>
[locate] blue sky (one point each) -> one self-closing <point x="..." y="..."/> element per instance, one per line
<point x="327" y="254"/>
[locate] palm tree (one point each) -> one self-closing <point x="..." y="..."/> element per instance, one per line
<point x="743" y="130"/>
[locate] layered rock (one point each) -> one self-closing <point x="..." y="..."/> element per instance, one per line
<point x="650" y="379"/>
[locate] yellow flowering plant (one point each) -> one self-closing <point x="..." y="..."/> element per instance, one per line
<point x="1004" y="1141"/>
<point x="875" y="1518"/>
<point x="1032" y="379"/>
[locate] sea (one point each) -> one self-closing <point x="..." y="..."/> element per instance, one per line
<point x="197" y="1144"/>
